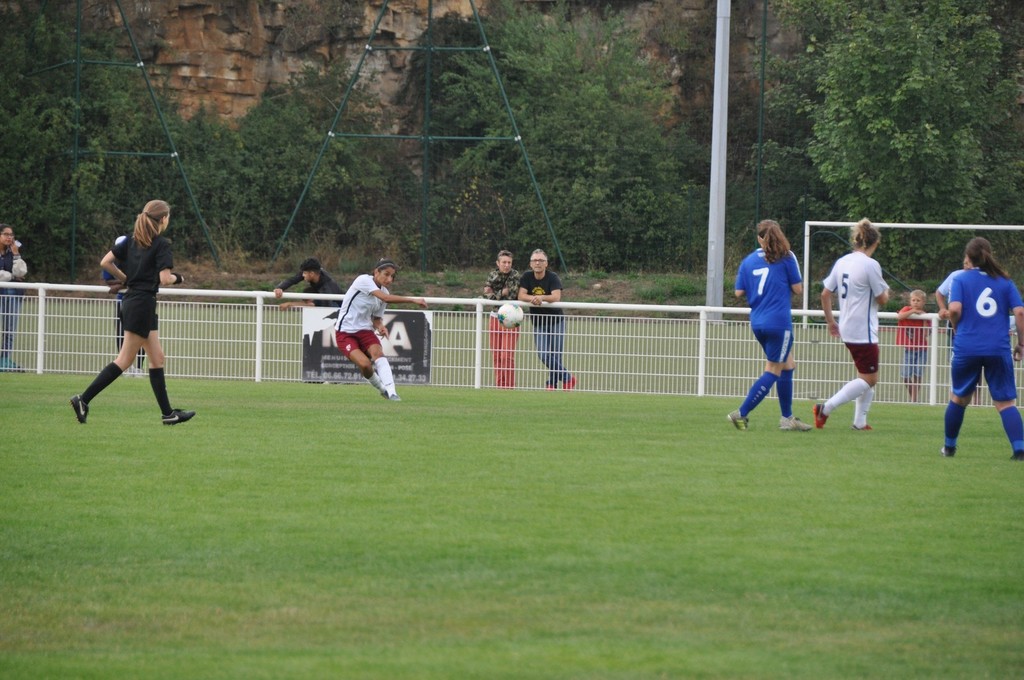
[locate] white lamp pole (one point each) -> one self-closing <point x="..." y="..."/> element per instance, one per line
<point x="720" y="119"/>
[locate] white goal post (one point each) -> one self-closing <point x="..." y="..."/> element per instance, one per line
<point x="891" y="225"/>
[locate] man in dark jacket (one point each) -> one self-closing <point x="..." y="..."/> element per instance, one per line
<point x="319" y="282"/>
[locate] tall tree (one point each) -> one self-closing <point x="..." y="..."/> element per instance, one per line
<point x="589" y="105"/>
<point x="909" y="107"/>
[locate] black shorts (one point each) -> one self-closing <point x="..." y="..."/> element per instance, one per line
<point x="138" y="313"/>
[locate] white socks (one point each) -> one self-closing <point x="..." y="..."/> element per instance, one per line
<point x="384" y="376"/>
<point x="850" y="391"/>
<point x="863" y="405"/>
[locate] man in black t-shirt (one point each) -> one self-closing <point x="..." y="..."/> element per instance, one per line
<point x="536" y="287"/>
<point x="319" y="282"/>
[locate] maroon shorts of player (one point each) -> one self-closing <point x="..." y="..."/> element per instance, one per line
<point x="361" y="340"/>
<point x="865" y="357"/>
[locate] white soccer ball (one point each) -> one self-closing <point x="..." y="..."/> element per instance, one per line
<point x="510" y="315"/>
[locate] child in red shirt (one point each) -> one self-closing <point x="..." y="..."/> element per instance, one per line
<point x="912" y="336"/>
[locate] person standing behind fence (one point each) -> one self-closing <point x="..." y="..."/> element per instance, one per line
<point x="857" y="280"/>
<point x="319" y="281"/>
<point x="12" y="268"/>
<point x="536" y="287"/>
<point x="503" y="284"/>
<point x="147" y="265"/>
<point x="769" y="277"/>
<point x="979" y="301"/>
<point x="118" y="290"/>
<point x="942" y="296"/>
<point x="361" y="321"/>
<point x="912" y="336"/>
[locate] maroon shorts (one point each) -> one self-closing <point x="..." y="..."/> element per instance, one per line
<point x="361" y="340"/>
<point x="865" y="357"/>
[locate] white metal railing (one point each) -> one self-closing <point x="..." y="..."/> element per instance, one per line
<point x="648" y="349"/>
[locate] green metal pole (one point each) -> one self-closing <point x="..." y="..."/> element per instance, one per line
<point x="75" y="137"/>
<point x="760" y="115"/>
<point x="425" y="182"/>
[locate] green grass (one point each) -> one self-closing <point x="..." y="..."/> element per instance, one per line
<point x="297" y="530"/>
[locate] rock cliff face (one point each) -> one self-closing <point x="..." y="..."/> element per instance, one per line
<point x="223" y="54"/>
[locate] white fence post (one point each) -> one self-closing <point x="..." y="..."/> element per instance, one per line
<point x="41" y="332"/>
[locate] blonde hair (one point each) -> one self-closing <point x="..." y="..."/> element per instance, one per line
<point x="864" y="234"/>
<point x="147" y="224"/>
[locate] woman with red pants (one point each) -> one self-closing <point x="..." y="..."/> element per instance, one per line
<point x="503" y="284"/>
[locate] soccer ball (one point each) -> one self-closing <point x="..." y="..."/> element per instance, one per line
<point x="510" y="315"/>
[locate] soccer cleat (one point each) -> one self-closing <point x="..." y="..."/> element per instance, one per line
<point x="819" y="416"/>
<point x="384" y="393"/>
<point x="793" y="423"/>
<point x="177" y="416"/>
<point x="569" y="384"/>
<point x="80" y="407"/>
<point x="866" y="428"/>
<point x="394" y="397"/>
<point x="948" y="451"/>
<point x="1018" y="456"/>
<point x="739" y="421"/>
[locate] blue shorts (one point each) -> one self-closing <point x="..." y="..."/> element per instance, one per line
<point x="966" y="372"/>
<point x="776" y="344"/>
<point x="914" y="361"/>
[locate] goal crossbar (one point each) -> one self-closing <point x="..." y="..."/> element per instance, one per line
<point x="809" y="225"/>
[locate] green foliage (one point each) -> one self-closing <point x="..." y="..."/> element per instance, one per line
<point x="895" y="110"/>
<point x="906" y="96"/>
<point x="588" y="106"/>
<point x="909" y="105"/>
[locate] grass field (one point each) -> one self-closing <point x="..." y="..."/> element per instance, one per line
<point x="318" y="531"/>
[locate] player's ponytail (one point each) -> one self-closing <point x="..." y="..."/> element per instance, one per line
<point x="147" y="223"/>
<point x="979" y="252"/>
<point x="864" y="234"/>
<point x="773" y="240"/>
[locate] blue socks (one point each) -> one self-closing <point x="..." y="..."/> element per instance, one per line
<point x="784" y="388"/>
<point x="758" y="391"/>
<point x="1014" y="427"/>
<point x="954" y="421"/>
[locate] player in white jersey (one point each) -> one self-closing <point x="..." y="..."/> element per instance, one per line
<point x="361" y="321"/>
<point x="856" y="279"/>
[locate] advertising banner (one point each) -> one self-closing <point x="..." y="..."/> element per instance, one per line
<point x="407" y="348"/>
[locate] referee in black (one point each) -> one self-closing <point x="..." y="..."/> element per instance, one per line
<point x="146" y="264"/>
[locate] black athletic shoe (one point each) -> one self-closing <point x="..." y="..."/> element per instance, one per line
<point x="80" y="407"/>
<point x="176" y="416"/>
<point x="1018" y="456"/>
<point x="948" y="451"/>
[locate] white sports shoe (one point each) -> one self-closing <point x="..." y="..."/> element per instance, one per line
<point x="739" y="421"/>
<point x="394" y="397"/>
<point x="793" y="423"/>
